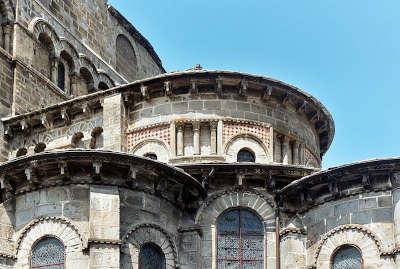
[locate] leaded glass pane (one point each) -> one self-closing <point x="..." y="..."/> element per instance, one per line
<point x="48" y="253"/>
<point x="151" y="257"/>
<point x="245" y="155"/>
<point x="347" y="258"/>
<point x="240" y="243"/>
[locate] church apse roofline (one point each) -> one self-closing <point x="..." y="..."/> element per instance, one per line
<point x="193" y="82"/>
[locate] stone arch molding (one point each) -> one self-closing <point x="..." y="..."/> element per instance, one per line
<point x="356" y="235"/>
<point x="153" y="146"/>
<point x="60" y="228"/>
<point x="248" y="141"/>
<point x="39" y="25"/>
<point x="147" y="233"/>
<point x="219" y="202"/>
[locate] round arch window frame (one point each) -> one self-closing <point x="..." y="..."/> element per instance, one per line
<point x="256" y="214"/>
<point x="159" y="249"/>
<point x="44" y="238"/>
<point x="246" y="150"/>
<point x="336" y="251"/>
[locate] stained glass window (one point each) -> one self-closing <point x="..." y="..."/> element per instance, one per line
<point x="245" y="155"/>
<point x="151" y="257"/>
<point x="347" y="257"/>
<point x="48" y="253"/>
<point x="240" y="240"/>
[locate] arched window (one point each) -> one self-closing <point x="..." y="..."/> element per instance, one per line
<point x="240" y="240"/>
<point x="245" y="155"/>
<point x="61" y="76"/>
<point x="48" y="253"/>
<point x="347" y="257"/>
<point x="151" y="156"/>
<point x="126" y="62"/>
<point x="151" y="257"/>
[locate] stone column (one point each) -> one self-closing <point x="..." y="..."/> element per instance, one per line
<point x="286" y="152"/>
<point x="7" y="38"/>
<point x="213" y="137"/>
<point x="74" y="84"/>
<point x="172" y="131"/>
<point x="278" y="148"/>
<point x="179" y="140"/>
<point x="196" y="138"/>
<point x="219" y="137"/>
<point x="104" y="227"/>
<point x="54" y="70"/>
<point x="296" y="159"/>
<point x="113" y="123"/>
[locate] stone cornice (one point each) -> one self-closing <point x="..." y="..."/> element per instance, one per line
<point x="339" y="182"/>
<point x="50" y="169"/>
<point x="316" y="113"/>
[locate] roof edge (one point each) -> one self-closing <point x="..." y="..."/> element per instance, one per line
<point x="137" y="35"/>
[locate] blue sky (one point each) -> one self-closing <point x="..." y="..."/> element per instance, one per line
<point x="345" y="53"/>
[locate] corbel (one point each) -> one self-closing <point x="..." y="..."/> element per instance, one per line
<point x="219" y="86"/>
<point x="333" y="188"/>
<point x="63" y="168"/>
<point x="267" y="93"/>
<point x="193" y="87"/>
<point x="97" y="169"/>
<point x="132" y="175"/>
<point x="366" y="181"/>
<point x="8" y="133"/>
<point x="205" y="177"/>
<point x="86" y="109"/>
<point x="270" y="180"/>
<point x="30" y="173"/>
<point x="145" y="92"/>
<point x="46" y="121"/>
<point x="239" y="179"/>
<point x="243" y="87"/>
<point x="316" y="117"/>
<point x="286" y="99"/>
<point x="302" y="108"/>
<point x="24" y="126"/>
<point x="65" y="115"/>
<point x="168" y="88"/>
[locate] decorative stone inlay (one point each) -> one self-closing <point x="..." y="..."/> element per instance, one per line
<point x="161" y="132"/>
<point x="234" y="128"/>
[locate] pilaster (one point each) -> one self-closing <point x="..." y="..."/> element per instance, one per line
<point x="113" y="123"/>
<point x="104" y="226"/>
